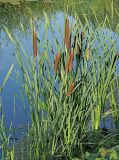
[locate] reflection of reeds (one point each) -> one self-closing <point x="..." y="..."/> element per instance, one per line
<point x="34" y="44"/>
<point x="56" y="62"/>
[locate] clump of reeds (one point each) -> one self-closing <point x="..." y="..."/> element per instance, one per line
<point x="68" y="103"/>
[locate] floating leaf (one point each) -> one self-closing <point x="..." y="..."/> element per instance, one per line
<point x="56" y="62"/>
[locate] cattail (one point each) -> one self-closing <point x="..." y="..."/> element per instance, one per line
<point x="56" y="62"/>
<point x="67" y="34"/>
<point x="71" y="61"/>
<point x="67" y="65"/>
<point x="70" y="89"/>
<point x="88" y="52"/>
<point x="34" y="44"/>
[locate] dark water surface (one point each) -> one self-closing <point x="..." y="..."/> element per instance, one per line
<point x="15" y="108"/>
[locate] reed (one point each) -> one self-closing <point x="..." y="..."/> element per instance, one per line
<point x="34" y="44"/>
<point x="56" y="62"/>
<point x="64" y="113"/>
<point x="4" y="136"/>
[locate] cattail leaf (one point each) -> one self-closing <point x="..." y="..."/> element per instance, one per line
<point x="7" y="76"/>
<point x="88" y="52"/>
<point x="115" y="58"/>
<point x="9" y="35"/>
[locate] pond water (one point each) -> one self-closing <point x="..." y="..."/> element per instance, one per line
<point x="16" y="109"/>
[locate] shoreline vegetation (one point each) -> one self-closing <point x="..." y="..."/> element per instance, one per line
<point x="71" y="82"/>
<point x="13" y="15"/>
<point x="66" y="120"/>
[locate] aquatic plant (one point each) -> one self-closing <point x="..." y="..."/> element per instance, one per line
<point x="68" y="102"/>
<point x="4" y="136"/>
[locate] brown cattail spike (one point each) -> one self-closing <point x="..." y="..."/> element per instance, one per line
<point x="71" y="61"/>
<point x="67" y="34"/>
<point x="70" y="89"/>
<point x="67" y="65"/>
<point x="56" y="62"/>
<point x="34" y="44"/>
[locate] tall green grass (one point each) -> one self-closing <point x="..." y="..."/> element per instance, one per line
<point x="4" y="136"/>
<point x="63" y="127"/>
